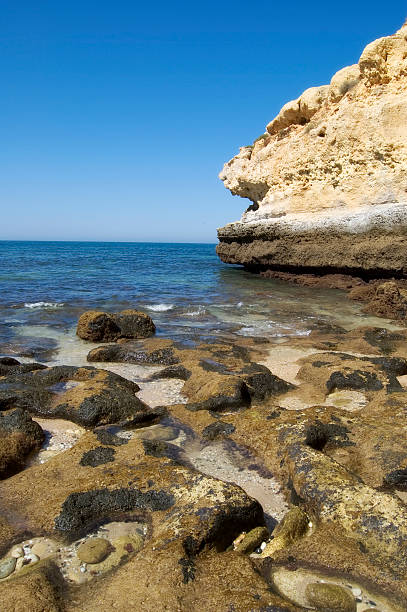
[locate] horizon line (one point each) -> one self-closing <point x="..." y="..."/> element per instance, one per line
<point x="105" y="241"/>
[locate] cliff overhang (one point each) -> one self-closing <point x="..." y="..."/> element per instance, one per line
<point x="328" y="179"/>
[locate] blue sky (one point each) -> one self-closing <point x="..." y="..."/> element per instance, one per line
<point x="116" y="117"/>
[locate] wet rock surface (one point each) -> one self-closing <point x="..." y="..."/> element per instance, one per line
<point x="330" y="597"/>
<point x="268" y="488"/>
<point x="155" y="352"/>
<point x="94" y="550"/>
<point x="87" y="396"/>
<point x="19" y="436"/>
<point x="99" y="326"/>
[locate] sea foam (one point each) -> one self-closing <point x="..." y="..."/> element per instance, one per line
<point x="43" y="305"/>
<point x="159" y="307"/>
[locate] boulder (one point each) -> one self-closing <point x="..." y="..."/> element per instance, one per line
<point x="97" y="326"/>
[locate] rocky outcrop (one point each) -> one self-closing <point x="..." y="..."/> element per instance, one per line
<point x="217" y="376"/>
<point x="99" y="326"/>
<point x="328" y="179"/>
<point x="86" y="396"/>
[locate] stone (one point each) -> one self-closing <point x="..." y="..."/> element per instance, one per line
<point x="157" y="352"/>
<point x="388" y="300"/>
<point x="94" y="550"/>
<point x="87" y="396"/>
<point x="9" y="365"/>
<point x="313" y="210"/>
<point x="293" y="527"/>
<point x="7" y="567"/>
<point x="32" y="558"/>
<point x="19" y="437"/>
<point x="174" y="371"/>
<point x="130" y="544"/>
<point x="97" y="456"/>
<point x="97" y="326"/>
<point x="330" y="597"/>
<point x="252" y="540"/>
<point x="134" y="324"/>
<point x="217" y="430"/>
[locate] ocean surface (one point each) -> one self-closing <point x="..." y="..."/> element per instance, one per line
<point x="190" y="294"/>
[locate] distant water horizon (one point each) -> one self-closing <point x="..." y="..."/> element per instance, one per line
<point x="109" y="241"/>
<point x="190" y="294"/>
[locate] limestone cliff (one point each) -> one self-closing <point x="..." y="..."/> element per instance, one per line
<point x="328" y="179"/>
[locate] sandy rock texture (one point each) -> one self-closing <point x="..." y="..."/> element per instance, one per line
<point x="279" y="485"/>
<point x="328" y="179"/>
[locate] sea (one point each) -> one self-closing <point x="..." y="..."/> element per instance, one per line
<point x="191" y="295"/>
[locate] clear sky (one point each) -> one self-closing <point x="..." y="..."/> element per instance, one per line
<point x="117" y="116"/>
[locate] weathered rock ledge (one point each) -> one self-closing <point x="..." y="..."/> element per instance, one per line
<point x="328" y="180"/>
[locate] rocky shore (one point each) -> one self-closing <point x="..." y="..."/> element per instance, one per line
<point x="327" y="181"/>
<point x="231" y="472"/>
<point x="276" y="482"/>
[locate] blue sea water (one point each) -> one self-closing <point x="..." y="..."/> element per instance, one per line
<point x="188" y="291"/>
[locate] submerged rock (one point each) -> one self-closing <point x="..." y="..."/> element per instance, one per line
<point x="330" y="597"/>
<point x="7" y="567"/>
<point x="252" y="540"/>
<point x="94" y="550"/>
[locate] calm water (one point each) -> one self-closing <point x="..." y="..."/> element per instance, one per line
<point x="191" y="295"/>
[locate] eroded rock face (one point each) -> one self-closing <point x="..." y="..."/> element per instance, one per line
<point x="328" y="180"/>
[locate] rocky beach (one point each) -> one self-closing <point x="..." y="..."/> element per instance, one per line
<point x="197" y="436"/>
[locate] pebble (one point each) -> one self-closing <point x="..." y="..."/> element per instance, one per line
<point x="17" y="552"/>
<point x="44" y="548"/>
<point x="356" y="591"/>
<point x="330" y="596"/>
<point x="94" y="550"/>
<point x="252" y="540"/>
<point x="7" y="566"/>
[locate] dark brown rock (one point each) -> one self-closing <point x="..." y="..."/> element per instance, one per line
<point x="87" y="396"/>
<point x="99" y="326"/>
<point x="19" y="436"/>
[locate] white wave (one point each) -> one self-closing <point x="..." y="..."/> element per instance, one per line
<point x="43" y="305"/>
<point x="272" y="329"/>
<point x="200" y="310"/>
<point x="159" y="307"/>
